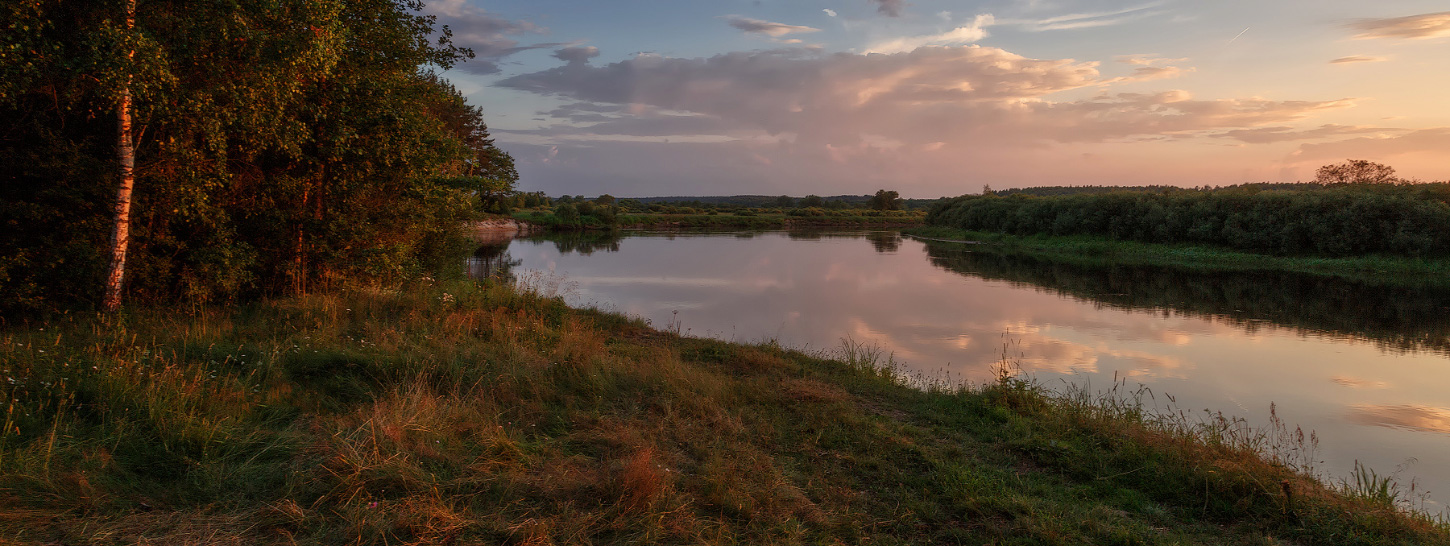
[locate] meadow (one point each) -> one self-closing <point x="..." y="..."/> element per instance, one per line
<point x="490" y="412"/>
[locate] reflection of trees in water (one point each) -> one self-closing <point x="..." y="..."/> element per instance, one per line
<point x="1394" y="317"/>
<point x="492" y="261"/>
<point x="819" y="234"/>
<point x="582" y="242"/>
<point x="885" y="241"/>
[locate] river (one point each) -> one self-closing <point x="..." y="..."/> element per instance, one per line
<point x="1365" y="367"/>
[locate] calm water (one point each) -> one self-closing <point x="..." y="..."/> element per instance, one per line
<point x="1367" y="368"/>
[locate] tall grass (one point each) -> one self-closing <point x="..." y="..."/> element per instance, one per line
<point x="492" y="413"/>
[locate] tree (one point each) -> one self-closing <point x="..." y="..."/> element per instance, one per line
<point x="813" y="201"/>
<point x="785" y="201"/>
<point x="885" y="200"/>
<point x="605" y="200"/>
<point x="1356" y="171"/>
<point x="271" y="143"/>
<point x="126" y="161"/>
<point x="567" y="213"/>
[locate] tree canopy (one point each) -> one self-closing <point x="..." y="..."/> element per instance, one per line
<point x="885" y="200"/>
<point x="1356" y="171"/>
<point x="280" y="144"/>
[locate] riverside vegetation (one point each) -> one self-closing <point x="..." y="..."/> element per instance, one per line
<point x="1355" y="221"/>
<point x="490" y="412"/>
<point x="282" y="372"/>
<point x="1346" y="213"/>
<point x="574" y="213"/>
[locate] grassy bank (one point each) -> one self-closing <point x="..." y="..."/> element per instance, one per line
<point x="1092" y="250"/>
<point x="466" y="413"/>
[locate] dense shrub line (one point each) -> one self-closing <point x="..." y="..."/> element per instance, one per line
<point x="1328" y="220"/>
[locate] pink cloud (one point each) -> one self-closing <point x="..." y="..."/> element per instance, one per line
<point x="1435" y="140"/>
<point x="1428" y="25"/>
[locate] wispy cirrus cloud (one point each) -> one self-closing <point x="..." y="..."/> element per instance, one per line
<point x="1428" y="25"/>
<point x="1073" y="21"/>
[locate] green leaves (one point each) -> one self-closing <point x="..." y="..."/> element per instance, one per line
<point x="281" y="142"/>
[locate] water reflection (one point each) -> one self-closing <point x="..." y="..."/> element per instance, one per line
<point x="884" y="241"/>
<point x="1230" y="342"/>
<point x="1394" y="317"/>
<point x="491" y="261"/>
<point x="583" y="242"/>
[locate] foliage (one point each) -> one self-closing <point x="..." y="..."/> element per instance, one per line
<point x="567" y="213"/>
<point x="1356" y="171"/>
<point x="1321" y="220"/>
<point x="286" y="145"/>
<point x="885" y="200"/>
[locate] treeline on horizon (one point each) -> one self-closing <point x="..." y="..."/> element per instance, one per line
<point x="780" y="201"/>
<point x="569" y="212"/>
<point x="279" y="147"/>
<point x="1333" y="217"/>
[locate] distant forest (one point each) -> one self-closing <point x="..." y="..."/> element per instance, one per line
<point x="782" y="201"/>
<point x="1355" y="208"/>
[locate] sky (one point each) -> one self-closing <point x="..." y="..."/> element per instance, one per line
<point x="931" y="98"/>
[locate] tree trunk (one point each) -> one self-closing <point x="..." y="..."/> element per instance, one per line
<point x="126" y="154"/>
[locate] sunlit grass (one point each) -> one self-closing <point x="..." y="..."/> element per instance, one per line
<point x="492" y="413"/>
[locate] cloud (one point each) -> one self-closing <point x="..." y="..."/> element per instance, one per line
<point x="1146" y="59"/>
<point x="1093" y="19"/>
<point x="486" y="34"/>
<point x="1357" y="59"/>
<point x="1429" y="25"/>
<point x="1435" y="140"/>
<point x="962" y="35"/>
<point x="1148" y="69"/>
<point x="768" y="28"/>
<point x="956" y="95"/>
<point x="1264" y="135"/>
<point x="889" y="8"/>
<point x="829" y="12"/>
<point x="1409" y="417"/>
<point x="576" y="54"/>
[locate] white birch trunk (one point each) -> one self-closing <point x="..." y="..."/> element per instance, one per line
<point x="126" y="155"/>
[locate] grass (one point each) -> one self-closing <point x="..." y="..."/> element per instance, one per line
<point x="1089" y="250"/>
<point x="486" y="413"/>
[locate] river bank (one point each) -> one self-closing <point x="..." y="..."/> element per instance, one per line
<point x="482" y="412"/>
<point x="835" y="219"/>
<point x="1097" y="251"/>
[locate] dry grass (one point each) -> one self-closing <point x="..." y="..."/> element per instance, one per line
<point x="499" y="416"/>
